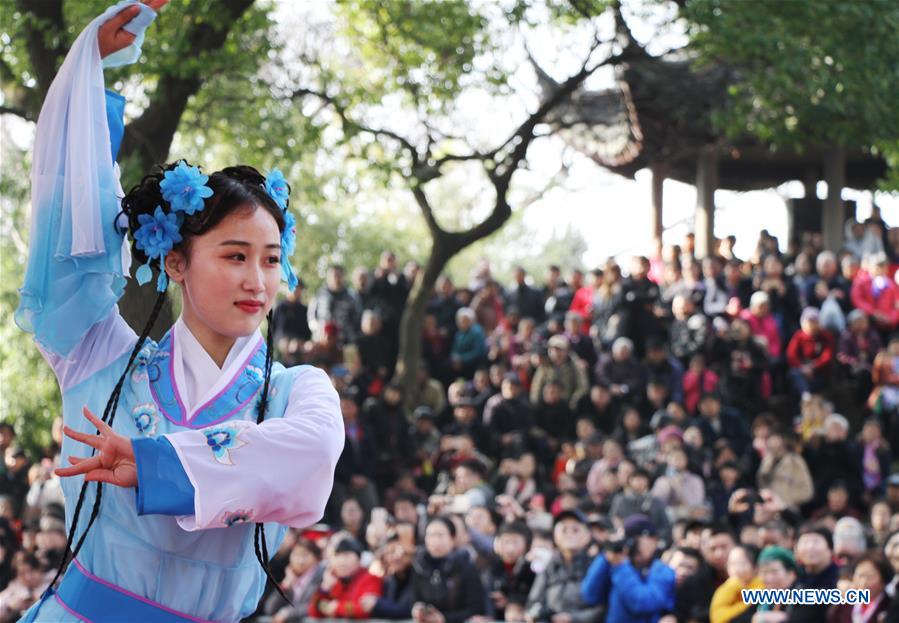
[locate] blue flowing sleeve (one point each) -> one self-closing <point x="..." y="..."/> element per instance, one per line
<point x="163" y="487"/>
<point x="77" y="258"/>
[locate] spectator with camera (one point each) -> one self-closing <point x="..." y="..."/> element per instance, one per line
<point x="629" y="577"/>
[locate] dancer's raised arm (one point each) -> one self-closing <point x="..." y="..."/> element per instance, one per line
<point x="77" y="257"/>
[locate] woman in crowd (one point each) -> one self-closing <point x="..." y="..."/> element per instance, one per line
<point x="446" y="587"/>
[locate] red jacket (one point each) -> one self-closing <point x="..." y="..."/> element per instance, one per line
<point x="695" y="385"/>
<point x="816" y="350"/>
<point x="886" y="303"/>
<point x="348" y="594"/>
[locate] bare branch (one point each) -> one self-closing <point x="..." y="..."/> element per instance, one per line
<point x="349" y="123"/>
<point x="524" y="134"/>
<point x="426" y="210"/>
<point x="45" y="39"/>
<point x="555" y="181"/>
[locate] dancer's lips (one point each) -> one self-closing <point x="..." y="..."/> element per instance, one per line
<point x="249" y="306"/>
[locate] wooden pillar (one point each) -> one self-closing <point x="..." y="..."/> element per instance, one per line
<point x="706" y="183"/>
<point x="659" y="172"/>
<point x="833" y="214"/>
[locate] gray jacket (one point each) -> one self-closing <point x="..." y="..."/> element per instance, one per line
<point x="558" y="589"/>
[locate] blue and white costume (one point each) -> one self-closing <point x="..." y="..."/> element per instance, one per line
<point x="180" y="547"/>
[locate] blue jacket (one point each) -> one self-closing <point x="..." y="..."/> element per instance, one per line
<point x="632" y="597"/>
<point x="470" y="345"/>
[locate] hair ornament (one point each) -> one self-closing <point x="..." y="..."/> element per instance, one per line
<point x="156" y="236"/>
<point x="184" y="188"/>
<point x="279" y="190"/>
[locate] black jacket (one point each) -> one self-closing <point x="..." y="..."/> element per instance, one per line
<point x="451" y="584"/>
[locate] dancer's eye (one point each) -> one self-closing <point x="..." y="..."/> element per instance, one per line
<point x="274" y="259"/>
<point x="237" y="256"/>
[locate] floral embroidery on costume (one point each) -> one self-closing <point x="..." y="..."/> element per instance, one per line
<point x="146" y="358"/>
<point x="221" y="440"/>
<point x="145" y="418"/>
<point x="241" y="515"/>
<point x="255" y="374"/>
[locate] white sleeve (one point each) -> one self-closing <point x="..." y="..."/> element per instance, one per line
<point x="104" y="342"/>
<point x="281" y="470"/>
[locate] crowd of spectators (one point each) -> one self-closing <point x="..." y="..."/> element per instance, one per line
<point x="629" y="444"/>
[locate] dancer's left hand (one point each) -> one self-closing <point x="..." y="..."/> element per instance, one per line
<point x="112" y="37"/>
<point x="114" y="462"/>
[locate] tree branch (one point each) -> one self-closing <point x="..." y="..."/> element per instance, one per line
<point x="45" y="39"/>
<point x="426" y="210"/>
<point x="16" y="94"/>
<point x="524" y="134"/>
<point x="18" y="112"/>
<point x="348" y="123"/>
<point x="150" y="135"/>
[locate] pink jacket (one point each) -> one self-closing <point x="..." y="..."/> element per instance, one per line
<point x="767" y="328"/>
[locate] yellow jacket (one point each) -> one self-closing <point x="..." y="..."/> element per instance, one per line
<point x="727" y="602"/>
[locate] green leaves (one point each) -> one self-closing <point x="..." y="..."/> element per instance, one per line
<point x="29" y="395"/>
<point x="824" y="72"/>
<point x="426" y="49"/>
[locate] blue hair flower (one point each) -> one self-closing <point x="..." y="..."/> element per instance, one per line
<point x="156" y="236"/>
<point x="276" y="187"/>
<point x="289" y="235"/>
<point x="288" y="246"/>
<point x="184" y="187"/>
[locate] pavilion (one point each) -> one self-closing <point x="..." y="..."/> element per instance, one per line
<point x="659" y="116"/>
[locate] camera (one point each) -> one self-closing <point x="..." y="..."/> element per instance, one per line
<point x="752" y="498"/>
<point x="616" y="546"/>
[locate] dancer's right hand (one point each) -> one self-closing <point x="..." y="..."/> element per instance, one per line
<point x="112" y="37"/>
<point x="114" y="462"/>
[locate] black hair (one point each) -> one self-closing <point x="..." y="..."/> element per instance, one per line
<point x="475" y="466"/>
<point x="445" y="521"/>
<point x="692" y="552"/>
<point x="406" y="496"/>
<point x="234" y="188"/>
<point x="820" y="530"/>
<point x="883" y="567"/>
<point x="751" y="551"/>
<point x="516" y="527"/>
<point x="310" y="546"/>
<point x="720" y="528"/>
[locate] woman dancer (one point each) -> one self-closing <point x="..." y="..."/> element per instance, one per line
<point x="206" y="451"/>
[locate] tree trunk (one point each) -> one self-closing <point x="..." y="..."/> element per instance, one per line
<point x="445" y="246"/>
<point x="409" y="353"/>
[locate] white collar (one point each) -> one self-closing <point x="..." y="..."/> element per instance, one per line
<point x="197" y="376"/>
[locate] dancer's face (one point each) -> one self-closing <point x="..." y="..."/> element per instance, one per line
<point x="229" y="278"/>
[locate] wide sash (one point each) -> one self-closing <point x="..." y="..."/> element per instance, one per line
<point x="94" y="600"/>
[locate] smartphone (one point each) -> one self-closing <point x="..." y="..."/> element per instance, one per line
<point x="379" y="516"/>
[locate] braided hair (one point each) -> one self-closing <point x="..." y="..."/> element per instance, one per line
<point x="234" y="188"/>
